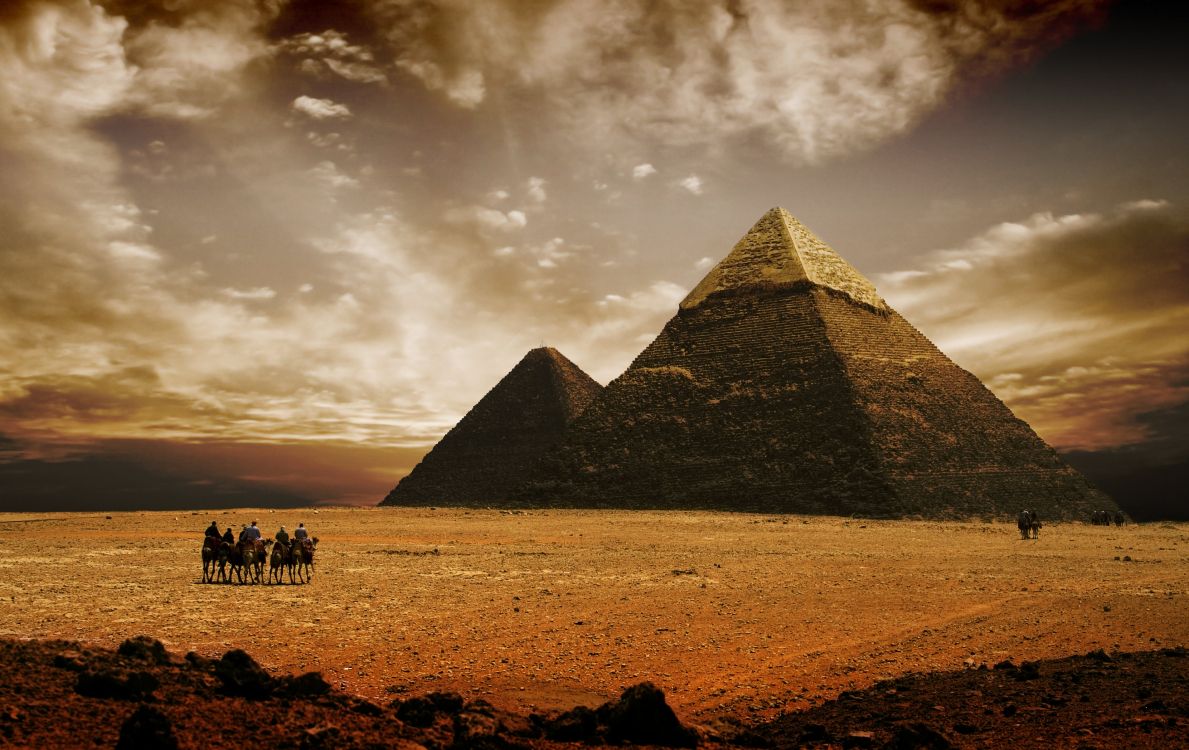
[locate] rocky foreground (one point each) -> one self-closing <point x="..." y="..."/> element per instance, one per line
<point x="66" y="694"/>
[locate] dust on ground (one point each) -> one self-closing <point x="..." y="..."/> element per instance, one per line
<point x="731" y="614"/>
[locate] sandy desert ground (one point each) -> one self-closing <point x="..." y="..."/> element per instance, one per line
<point x="730" y="614"/>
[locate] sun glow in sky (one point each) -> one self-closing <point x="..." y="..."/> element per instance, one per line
<point x="279" y="248"/>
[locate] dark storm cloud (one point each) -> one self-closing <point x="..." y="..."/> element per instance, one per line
<point x="817" y="79"/>
<point x="1078" y="322"/>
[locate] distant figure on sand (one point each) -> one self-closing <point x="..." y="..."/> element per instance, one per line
<point x="282" y="537"/>
<point x="1119" y="519"/>
<point x="213" y="529"/>
<point x="1024" y="523"/>
<point x="300" y="532"/>
<point x="1034" y="524"/>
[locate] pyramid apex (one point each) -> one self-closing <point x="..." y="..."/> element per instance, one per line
<point x="780" y="252"/>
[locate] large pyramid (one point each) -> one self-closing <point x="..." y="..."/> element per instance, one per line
<point x="493" y="447"/>
<point x="785" y="383"/>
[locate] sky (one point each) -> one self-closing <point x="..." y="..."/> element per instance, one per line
<point x="269" y="252"/>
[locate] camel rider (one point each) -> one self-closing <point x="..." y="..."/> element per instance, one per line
<point x="251" y="533"/>
<point x="282" y="537"/>
<point x="300" y="534"/>
<point x="228" y="537"/>
<point x="213" y="530"/>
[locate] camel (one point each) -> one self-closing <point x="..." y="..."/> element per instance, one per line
<point x="235" y="561"/>
<point x="301" y="559"/>
<point x="1024" y="523"/>
<point x="277" y="561"/>
<point x="210" y="553"/>
<point x="222" y="556"/>
<point x="252" y="552"/>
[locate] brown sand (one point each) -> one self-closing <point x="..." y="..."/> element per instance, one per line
<point x="729" y="614"/>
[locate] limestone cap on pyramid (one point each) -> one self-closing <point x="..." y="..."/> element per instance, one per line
<point x="780" y="252"/>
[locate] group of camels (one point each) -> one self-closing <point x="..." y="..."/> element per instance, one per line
<point x="221" y="560"/>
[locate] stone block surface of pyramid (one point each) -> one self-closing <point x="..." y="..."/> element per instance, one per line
<point x="495" y="445"/>
<point x="784" y="383"/>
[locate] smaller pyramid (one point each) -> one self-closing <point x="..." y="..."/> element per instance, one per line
<point x="491" y="450"/>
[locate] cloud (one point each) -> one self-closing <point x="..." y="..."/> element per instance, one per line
<point x="1077" y="321"/>
<point x="817" y="79"/>
<point x="327" y="174"/>
<point x="321" y="109"/>
<point x="536" y="189"/>
<point x="693" y="184"/>
<point x="190" y="63"/>
<point x="62" y="65"/>
<point x="255" y="293"/>
<point x="550" y="253"/>
<point x="487" y="218"/>
<point x="329" y="53"/>
<point x="640" y="171"/>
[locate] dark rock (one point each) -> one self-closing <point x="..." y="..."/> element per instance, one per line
<point x="200" y="662"/>
<point x="70" y="660"/>
<point x="366" y="708"/>
<point x="749" y="738"/>
<point x="1155" y="706"/>
<point x="241" y="675"/>
<point x="147" y="729"/>
<point x="515" y="725"/>
<point x="475" y="729"/>
<point x="816" y="733"/>
<point x="447" y="703"/>
<point x="117" y="685"/>
<point x="320" y="738"/>
<point x="641" y="716"/>
<point x="1029" y="670"/>
<point x="1099" y="655"/>
<point x="1010" y="710"/>
<point x="579" y="724"/>
<point x="416" y="712"/>
<point x="144" y="648"/>
<point x="1006" y="664"/>
<point x="918" y="736"/>
<point x="306" y="685"/>
<point x="961" y="728"/>
<point x="859" y="739"/>
<point x="479" y="706"/>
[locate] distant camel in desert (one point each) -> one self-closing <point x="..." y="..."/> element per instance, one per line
<point x="252" y="553"/>
<point x="1024" y="523"/>
<point x="210" y="554"/>
<point x="301" y="560"/>
<point x="277" y="562"/>
<point x="222" y="558"/>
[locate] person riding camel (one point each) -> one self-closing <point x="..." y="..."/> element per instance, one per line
<point x="228" y="537"/>
<point x="300" y="534"/>
<point x="282" y="537"/>
<point x="213" y="530"/>
<point x="251" y="533"/>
